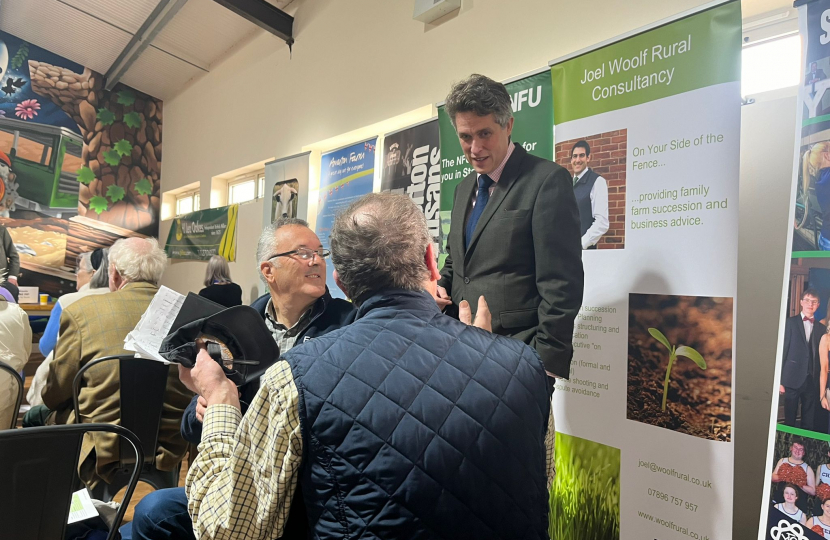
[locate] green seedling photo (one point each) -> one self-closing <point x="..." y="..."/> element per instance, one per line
<point x="680" y="363"/>
<point x="674" y="352"/>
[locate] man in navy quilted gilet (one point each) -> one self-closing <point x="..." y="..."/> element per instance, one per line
<point x="404" y="424"/>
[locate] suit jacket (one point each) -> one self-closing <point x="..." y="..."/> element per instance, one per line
<point x="525" y="256"/>
<point x="93" y="327"/>
<point x="800" y="356"/>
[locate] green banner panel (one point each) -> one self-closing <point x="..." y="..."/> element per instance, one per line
<point x="200" y="235"/>
<point x="663" y="62"/>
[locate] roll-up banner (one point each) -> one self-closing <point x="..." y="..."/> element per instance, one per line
<point x="203" y="234"/>
<point x="798" y="453"/>
<point x="532" y="128"/>
<point x="346" y="175"/>
<point x="286" y="188"/>
<point x="412" y="166"/>
<point x="649" y="127"/>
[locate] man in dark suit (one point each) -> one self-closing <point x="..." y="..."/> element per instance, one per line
<point x="514" y="236"/>
<point x="800" y="364"/>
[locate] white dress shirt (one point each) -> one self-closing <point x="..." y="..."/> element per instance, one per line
<point x="599" y="211"/>
<point x="808" y="326"/>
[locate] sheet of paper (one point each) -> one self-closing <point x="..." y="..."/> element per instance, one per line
<point x="145" y="339"/>
<point x="81" y="507"/>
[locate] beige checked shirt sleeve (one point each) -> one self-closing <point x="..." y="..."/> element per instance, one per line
<point x="242" y="482"/>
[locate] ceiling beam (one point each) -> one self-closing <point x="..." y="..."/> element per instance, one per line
<point x="161" y="15"/>
<point x="264" y="15"/>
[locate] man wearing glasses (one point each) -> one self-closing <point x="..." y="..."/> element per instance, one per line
<point x="297" y="307"/>
<point x="800" y="366"/>
<point x="292" y="263"/>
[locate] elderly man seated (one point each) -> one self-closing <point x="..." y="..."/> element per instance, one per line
<point x="95" y="326"/>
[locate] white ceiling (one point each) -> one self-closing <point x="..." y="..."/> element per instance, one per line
<point x="94" y="32"/>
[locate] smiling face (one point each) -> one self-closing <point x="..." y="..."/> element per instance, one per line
<point x="289" y="276"/>
<point x="483" y="140"/>
<point x="809" y="305"/>
<point x="579" y="160"/>
<point x="797" y="451"/>
<point x="790" y="495"/>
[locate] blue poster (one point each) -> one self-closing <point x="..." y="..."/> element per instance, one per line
<point x="345" y="175"/>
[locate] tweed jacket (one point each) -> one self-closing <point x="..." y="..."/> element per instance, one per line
<point x="91" y="328"/>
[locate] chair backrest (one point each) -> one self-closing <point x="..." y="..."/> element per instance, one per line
<point x="7" y="370"/>
<point x="142" y="386"/>
<point x="38" y="472"/>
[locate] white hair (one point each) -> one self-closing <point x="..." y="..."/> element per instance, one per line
<point x="84" y="262"/>
<point x="138" y="259"/>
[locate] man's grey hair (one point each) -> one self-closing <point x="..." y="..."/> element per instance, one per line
<point x="482" y="96"/>
<point x="378" y="243"/>
<point x="267" y="244"/>
<point x="101" y="278"/>
<point x="138" y="259"/>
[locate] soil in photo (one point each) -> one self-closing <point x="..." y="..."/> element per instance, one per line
<point x="699" y="401"/>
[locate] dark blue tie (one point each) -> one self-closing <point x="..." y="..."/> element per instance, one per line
<point x="483" y="195"/>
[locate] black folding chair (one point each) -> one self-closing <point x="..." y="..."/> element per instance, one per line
<point x="142" y="386"/>
<point x="38" y="473"/>
<point x="4" y="367"/>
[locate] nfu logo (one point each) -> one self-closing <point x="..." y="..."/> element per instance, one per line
<point x="787" y="531"/>
<point x="533" y="96"/>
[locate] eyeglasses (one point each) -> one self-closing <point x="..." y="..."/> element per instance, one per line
<point x="304" y="254"/>
<point x="810" y="302"/>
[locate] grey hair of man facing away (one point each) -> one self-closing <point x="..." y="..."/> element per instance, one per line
<point x="135" y="260"/>
<point x="370" y="256"/>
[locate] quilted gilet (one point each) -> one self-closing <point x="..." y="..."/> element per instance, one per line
<point x="416" y="425"/>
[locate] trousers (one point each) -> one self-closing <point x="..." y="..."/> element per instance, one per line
<point x="161" y="515"/>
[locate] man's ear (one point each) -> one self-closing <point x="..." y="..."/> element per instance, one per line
<point x="432" y="263"/>
<point x="266" y="269"/>
<point x="340" y="283"/>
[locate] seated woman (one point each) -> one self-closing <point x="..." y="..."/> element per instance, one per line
<point x="15" y="346"/>
<point x="820" y="524"/>
<point x="218" y="285"/>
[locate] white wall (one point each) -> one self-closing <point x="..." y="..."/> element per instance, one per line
<point x="358" y="62"/>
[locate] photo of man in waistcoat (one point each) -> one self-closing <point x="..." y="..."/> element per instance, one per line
<point x="591" y="191"/>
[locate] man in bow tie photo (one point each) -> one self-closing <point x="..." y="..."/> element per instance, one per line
<point x="800" y="365"/>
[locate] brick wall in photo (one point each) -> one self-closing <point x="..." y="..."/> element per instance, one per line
<point x="608" y="151"/>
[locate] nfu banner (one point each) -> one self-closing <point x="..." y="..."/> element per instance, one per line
<point x="797" y="491"/>
<point x="203" y="234"/>
<point x="644" y="423"/>
<point x="412" y="166"/>
<point x="532" y="102"/>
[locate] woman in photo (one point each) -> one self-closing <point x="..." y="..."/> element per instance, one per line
<point x="788" y="506"/>
<point x="218" y="285"/>
<point x="817" y="165"/>
<point x="820" y="524"/>
<point x="824" y="400"/>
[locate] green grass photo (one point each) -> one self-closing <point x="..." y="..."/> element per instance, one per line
<point x="585" y="497"/>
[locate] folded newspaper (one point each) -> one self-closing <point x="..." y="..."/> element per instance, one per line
<point x="145" y="339"/>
